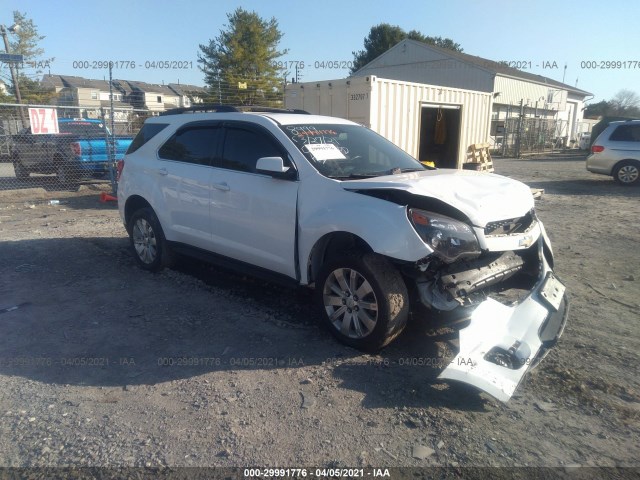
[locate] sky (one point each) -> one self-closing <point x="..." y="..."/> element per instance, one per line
<point x="597" y="41"/>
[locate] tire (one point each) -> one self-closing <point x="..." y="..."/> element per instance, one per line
<point x="627" y="173"/>
<point x="369" y="285"/>
<point x="20" y="171"/>
<point x="148" y="243"/>
<point x="66" y="175"/>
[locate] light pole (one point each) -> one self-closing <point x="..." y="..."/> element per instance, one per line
<point x="3" y="31"/>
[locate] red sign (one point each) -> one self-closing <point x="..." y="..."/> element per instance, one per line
<point x="43" y="120"/>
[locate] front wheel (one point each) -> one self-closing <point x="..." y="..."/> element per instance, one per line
<point x="20" y="171"/>
<point x="363" y="300"/>
<point x="149" y="246"/>
<point x="627" y="173"/>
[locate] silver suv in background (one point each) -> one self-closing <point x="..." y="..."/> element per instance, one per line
<point x="616" y="152"/>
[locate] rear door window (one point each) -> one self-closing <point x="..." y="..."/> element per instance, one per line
<point x="193" y="143"/>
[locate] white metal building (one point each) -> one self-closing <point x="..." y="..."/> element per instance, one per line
<point x="429" y="122"/>
<point x="541" y="97"/>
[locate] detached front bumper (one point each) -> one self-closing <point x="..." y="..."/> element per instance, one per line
<point x="501" y="343"/>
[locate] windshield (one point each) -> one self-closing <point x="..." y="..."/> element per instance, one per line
<point x="350" y="151"/>
<point x="84" y="129"/>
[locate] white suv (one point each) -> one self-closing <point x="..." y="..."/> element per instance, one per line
<point x="327" y="203"/>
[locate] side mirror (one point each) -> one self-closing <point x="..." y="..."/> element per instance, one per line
<point x="274" y="167"/>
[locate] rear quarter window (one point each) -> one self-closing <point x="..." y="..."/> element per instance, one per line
<point x="626" y="133"/>
<point x="146" y="133"/>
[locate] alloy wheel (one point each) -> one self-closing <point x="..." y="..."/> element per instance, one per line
<point x="144" y="241"/>
<point x="350" y="303"/>
<point x="628" y="174"/>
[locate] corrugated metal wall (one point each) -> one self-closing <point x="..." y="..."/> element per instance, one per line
<point x="392" y="108"/>
<point x="513" y="90"/>
<point x="395" y="112"/>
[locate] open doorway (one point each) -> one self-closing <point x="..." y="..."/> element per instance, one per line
<point x="440" y="135"/>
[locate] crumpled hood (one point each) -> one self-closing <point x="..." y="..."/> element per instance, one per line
<point x="483" y="197"/>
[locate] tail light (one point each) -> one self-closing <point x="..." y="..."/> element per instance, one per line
<point x="597" y="148"/>
<point x="76" y="149"/>
<point x="119" y="167"/>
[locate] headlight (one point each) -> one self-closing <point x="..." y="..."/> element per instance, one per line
<point x="449" y="238"/>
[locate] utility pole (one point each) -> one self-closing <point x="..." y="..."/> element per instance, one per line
<point x="14" y="77"/>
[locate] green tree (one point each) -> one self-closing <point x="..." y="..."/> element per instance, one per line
<point x="25" y="41"/>
<point x="600" y="109"/>
<point x="384" y="36"/>
<point x="239" y="64"/>
<point x="32" y="91"/>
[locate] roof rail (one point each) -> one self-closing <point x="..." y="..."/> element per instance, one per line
<point x="201" y="107"/>
<point x="257" y="109"/>
<point x="211" y="107"/>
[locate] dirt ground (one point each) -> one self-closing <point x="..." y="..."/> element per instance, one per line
<point x="103" y="364"/>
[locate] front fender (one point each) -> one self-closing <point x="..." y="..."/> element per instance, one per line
<point x="383" y="225"/>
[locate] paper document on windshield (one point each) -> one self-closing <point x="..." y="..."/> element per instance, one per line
<point x="325" y="151"/>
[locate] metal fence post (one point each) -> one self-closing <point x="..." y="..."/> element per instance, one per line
<point x="519" y="130"/>
<point x="111" y="145"/>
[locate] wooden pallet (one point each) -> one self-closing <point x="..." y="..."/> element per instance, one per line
<point x="478" y="155"/>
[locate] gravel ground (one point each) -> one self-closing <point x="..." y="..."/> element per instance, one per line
<point x="103" y="364"/>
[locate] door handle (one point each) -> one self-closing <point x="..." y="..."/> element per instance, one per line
<point x="221" y="186"/>
<point x="163" y="171"/>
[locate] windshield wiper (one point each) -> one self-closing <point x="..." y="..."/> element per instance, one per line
<point x="355" y="176"/>
<point x="395" y="171"/>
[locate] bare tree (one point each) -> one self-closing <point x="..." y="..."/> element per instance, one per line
<point x="626" y="100"/>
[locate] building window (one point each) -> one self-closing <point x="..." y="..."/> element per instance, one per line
<point x="117" y="97"/>
<point x="159" y="99"/>
<point x="94" y="95"/>
<point x="550" y="96"/>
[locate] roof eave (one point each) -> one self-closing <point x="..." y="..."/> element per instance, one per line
<point x="563" y="86"/>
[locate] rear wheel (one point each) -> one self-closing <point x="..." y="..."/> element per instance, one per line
<point x="149" y="246"/>
<point x="66" y="175"/>
<point x="627" y="173"/>
<point x="363" y="300"/>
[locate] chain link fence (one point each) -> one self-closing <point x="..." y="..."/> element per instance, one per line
<point x="247" y="93"/>
<point x="60" y="147"/>
<point x="515" y="136"/>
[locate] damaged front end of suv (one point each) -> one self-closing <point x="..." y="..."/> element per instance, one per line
<point x="491" y="262"/>
<point x="501" y="273"/>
